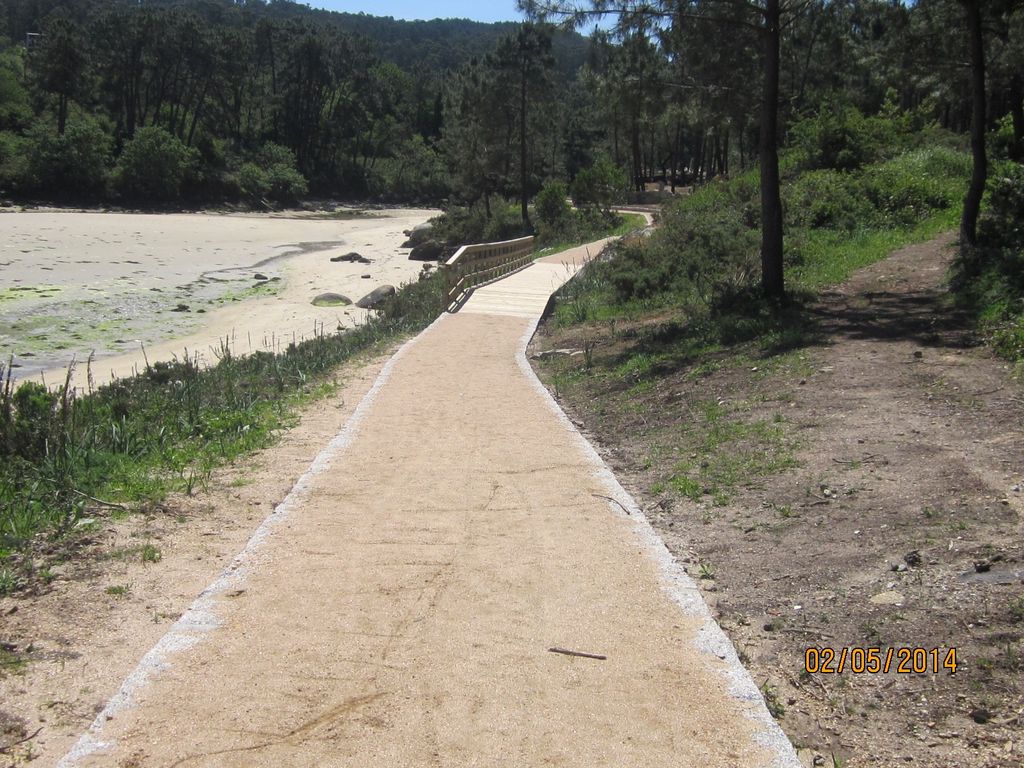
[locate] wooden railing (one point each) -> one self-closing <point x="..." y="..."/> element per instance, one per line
<point x="475" y="265"/>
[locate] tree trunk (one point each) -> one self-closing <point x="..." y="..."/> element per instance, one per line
<point x="725" y="153"/>
<point x="615" y="137"/>
<point x="637" y="161"/>
<point x="62" y="113"/>
<point x="698" y="157"/>
<point x="198" y="110"/>
<point x="772" y="279"/>
<point x="979" y="171"/>
<point x="1017" y="115"/>
<point x="716" y="155"/>
<point x="675" y="158"/>
<point x="524" y="197"/>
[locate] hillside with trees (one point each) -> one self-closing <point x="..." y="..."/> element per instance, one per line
<point x="230" y="101"/>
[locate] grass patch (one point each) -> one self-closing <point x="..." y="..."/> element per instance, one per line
<point x="686" y="300"/>
<point x="727" y="451"/>
<point x="829" y="257"/>
<point x="11" y="663"/>
<point x="702" y="264"/>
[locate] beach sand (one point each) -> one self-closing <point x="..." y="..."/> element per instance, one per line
<point x="120" y="286"/>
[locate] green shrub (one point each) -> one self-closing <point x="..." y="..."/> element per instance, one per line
<point x="1003" y="224"/>
<point x="460" y="225"/>
<point x="840" y="137"/>
<point x="72" y="165"/>
<point x="705" y="250"/>
<point x="416" y="172"/>
<point x="600" y="185"/>
<point x="272" y="177"/>
<point x="15" y="103"/>
<point x="989" y="279"/>
<point x="705" y="254"/>
<point x="637" y="273"/>
<point x="155" y="165"/>
<point x="13" y="161"/>
<point x="828" y="199"/>
<point x="908" y="188"/>
<point x="551" y="206"/>
<point x="27" y="425"/>
<point x="1002" y="144"/>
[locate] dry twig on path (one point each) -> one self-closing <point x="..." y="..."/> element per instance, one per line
<point x="609" y="498"/>
<point x="6" y="749"/>
<point x="582" y="654"/>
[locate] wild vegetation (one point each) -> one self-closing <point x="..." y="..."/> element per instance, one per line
<point x="989" y="277"/>
<point x="68" y="459"/>
<point x="854" y="189"/>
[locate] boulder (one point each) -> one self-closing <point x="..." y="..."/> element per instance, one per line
<point x="376" y="296"/>
<point x="418" y="234"/>
<point x="431" y="250"/>
<point x="331" y="300"/>
<point x="352" y="258"/>
<point x="549" y="353"/>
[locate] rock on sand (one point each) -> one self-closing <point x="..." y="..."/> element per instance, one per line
<point x="376" y="296"/>
<point x="331" y="300"/>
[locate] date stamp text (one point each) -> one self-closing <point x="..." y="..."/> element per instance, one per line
<point x="863" y="660"/>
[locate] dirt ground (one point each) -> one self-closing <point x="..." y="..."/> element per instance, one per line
<point x="64" y="650"/>
<point x="862" y="490"/>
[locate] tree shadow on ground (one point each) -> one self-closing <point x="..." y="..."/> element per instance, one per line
<point x="925" y="316"/>
<point x="762" y="331"/>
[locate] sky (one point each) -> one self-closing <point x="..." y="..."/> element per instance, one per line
<point x="478" y="10"/>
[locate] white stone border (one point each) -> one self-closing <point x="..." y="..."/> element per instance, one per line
<point x="201" y="616"/>
<point x="675" y="581"/>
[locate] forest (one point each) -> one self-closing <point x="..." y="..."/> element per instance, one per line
<point x="165" y="102"/>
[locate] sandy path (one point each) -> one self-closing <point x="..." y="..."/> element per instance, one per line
<point x="399" y="610"/>
<point x="72" y="283"/>
<point x="81" y="641"/>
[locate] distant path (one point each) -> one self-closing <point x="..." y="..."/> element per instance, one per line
<point x="399" y="608"/>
